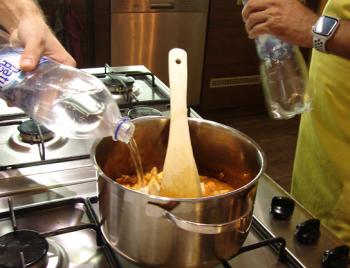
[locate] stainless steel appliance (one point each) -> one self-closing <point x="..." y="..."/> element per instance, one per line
<point x="143" y="32"/>
<point x="52" y="203"/>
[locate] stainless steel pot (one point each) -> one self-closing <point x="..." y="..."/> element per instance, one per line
<point x="170" y="232"/>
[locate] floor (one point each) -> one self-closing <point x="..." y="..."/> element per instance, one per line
<point x="277" y="138"/>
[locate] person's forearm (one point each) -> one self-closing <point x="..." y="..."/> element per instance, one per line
<point x="13" y="11"/>
<point x="339" y="44"/>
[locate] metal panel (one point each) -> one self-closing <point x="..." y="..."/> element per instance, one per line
<point x="122" y="6"/>
<point x="146" y="38"/>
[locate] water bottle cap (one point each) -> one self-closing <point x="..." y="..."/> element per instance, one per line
<point x="124" y="130"/>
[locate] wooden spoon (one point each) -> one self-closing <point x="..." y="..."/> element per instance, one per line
<point x="180" y="174"/>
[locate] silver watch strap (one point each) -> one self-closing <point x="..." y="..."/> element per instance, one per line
<point x="319" y="43"/>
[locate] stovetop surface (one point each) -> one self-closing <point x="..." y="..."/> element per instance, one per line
<point x="68" y="184"/>
<point x="67" y="174"/>
<point x="55" y="219"/>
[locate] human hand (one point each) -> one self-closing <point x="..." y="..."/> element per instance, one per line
<point x="35" y="36"/>
<point x="288" y="20"/>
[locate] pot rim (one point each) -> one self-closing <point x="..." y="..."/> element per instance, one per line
<point x="166" y="199"/>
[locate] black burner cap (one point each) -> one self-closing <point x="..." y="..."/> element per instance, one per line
<point x="33" y="246"/>
<point x="118" y="80"/>
<point x="30" y="127"/>
<point x="29" y="132"/>
<point x="143" y="111"/>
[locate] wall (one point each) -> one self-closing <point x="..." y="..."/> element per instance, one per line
<point x="83" y="27"/>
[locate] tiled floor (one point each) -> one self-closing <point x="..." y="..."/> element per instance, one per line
<point x="277" y="138"/>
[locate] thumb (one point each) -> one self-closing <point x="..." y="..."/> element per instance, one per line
<point x="30" y="56"/>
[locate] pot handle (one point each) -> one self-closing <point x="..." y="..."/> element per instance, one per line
<point x="155" y="210"/>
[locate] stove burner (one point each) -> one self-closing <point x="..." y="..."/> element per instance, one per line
<point x="119" y="84"/>
<point x="31" y="132"/>
<point x="143" y="111"/>
<point x="28" y="244"/>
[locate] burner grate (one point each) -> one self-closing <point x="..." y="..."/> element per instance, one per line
<point x="122" y="84"/>
<point x="85" y="206"/>
<point x="31" y="237"/>
<point x="282" y="255"/>
<point x="108" y="71"/>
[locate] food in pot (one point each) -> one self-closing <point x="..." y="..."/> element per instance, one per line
<point x="153" y="180"/>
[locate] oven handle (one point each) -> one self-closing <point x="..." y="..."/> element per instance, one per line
<point x="169" y="5"/>
<point x="157" y="211"/>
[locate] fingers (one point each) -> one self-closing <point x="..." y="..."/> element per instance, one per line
<point x="66" y="58"/>
<point x="253" y="7"/>
<point x="69" y="61"/>
<point x="55" y="50"/>
<point x="37" y="39"/>
<point x="258" y="30"/>
<point x="260" y="16"/>
<point x="34" y="49"/>
<point x="256" y="23"/>
<point x="31" y="55"/>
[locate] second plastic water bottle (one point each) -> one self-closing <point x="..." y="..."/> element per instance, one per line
<point x="284" y="77"/>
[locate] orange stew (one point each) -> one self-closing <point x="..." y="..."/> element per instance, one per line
<point x="153" y="179"/>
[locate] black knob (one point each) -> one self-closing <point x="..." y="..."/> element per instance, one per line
<point x="282" y="207"/>
<point x="336" y="258"/>
<point x="308" y="231"/>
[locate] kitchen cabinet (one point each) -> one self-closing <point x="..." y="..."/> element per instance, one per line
<point x="102" y="32"/>
<point x="231" y="67"/>
<point x="83" y="27"/>
<point x="231" y="73"/>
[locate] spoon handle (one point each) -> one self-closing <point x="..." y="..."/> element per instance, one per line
<point x="181" y="177"/>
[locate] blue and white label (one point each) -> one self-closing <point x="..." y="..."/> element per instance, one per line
<point x="9" y="69"/>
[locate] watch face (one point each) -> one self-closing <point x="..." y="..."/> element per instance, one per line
<point x="325" y="25"/>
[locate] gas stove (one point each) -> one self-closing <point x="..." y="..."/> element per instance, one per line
<point x="22" y="143"/>
<point x="48" y="196"/>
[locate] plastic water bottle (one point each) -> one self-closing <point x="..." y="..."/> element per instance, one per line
<point x="284" y="77"/>
<point x="66" y="100"/>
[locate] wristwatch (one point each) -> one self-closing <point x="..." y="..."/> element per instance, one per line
<point x="323" y="30"/>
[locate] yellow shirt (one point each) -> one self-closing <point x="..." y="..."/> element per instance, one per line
<point x="321" y="174"/>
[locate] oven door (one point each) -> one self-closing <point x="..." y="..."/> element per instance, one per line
<point x="144" y="33"/>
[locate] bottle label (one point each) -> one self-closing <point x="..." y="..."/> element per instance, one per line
<point x="10" y="72"/>
<point x="272" y="48"/>
<point x="9" y="69"/>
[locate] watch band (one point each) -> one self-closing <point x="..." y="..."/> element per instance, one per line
<point x="322" y="31"/>
<point x="319" y="42"/>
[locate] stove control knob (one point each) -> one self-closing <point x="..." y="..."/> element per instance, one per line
<point x="308" y="231"/>
<point x="336" y="258"/>
<point x="282" y="207"/>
